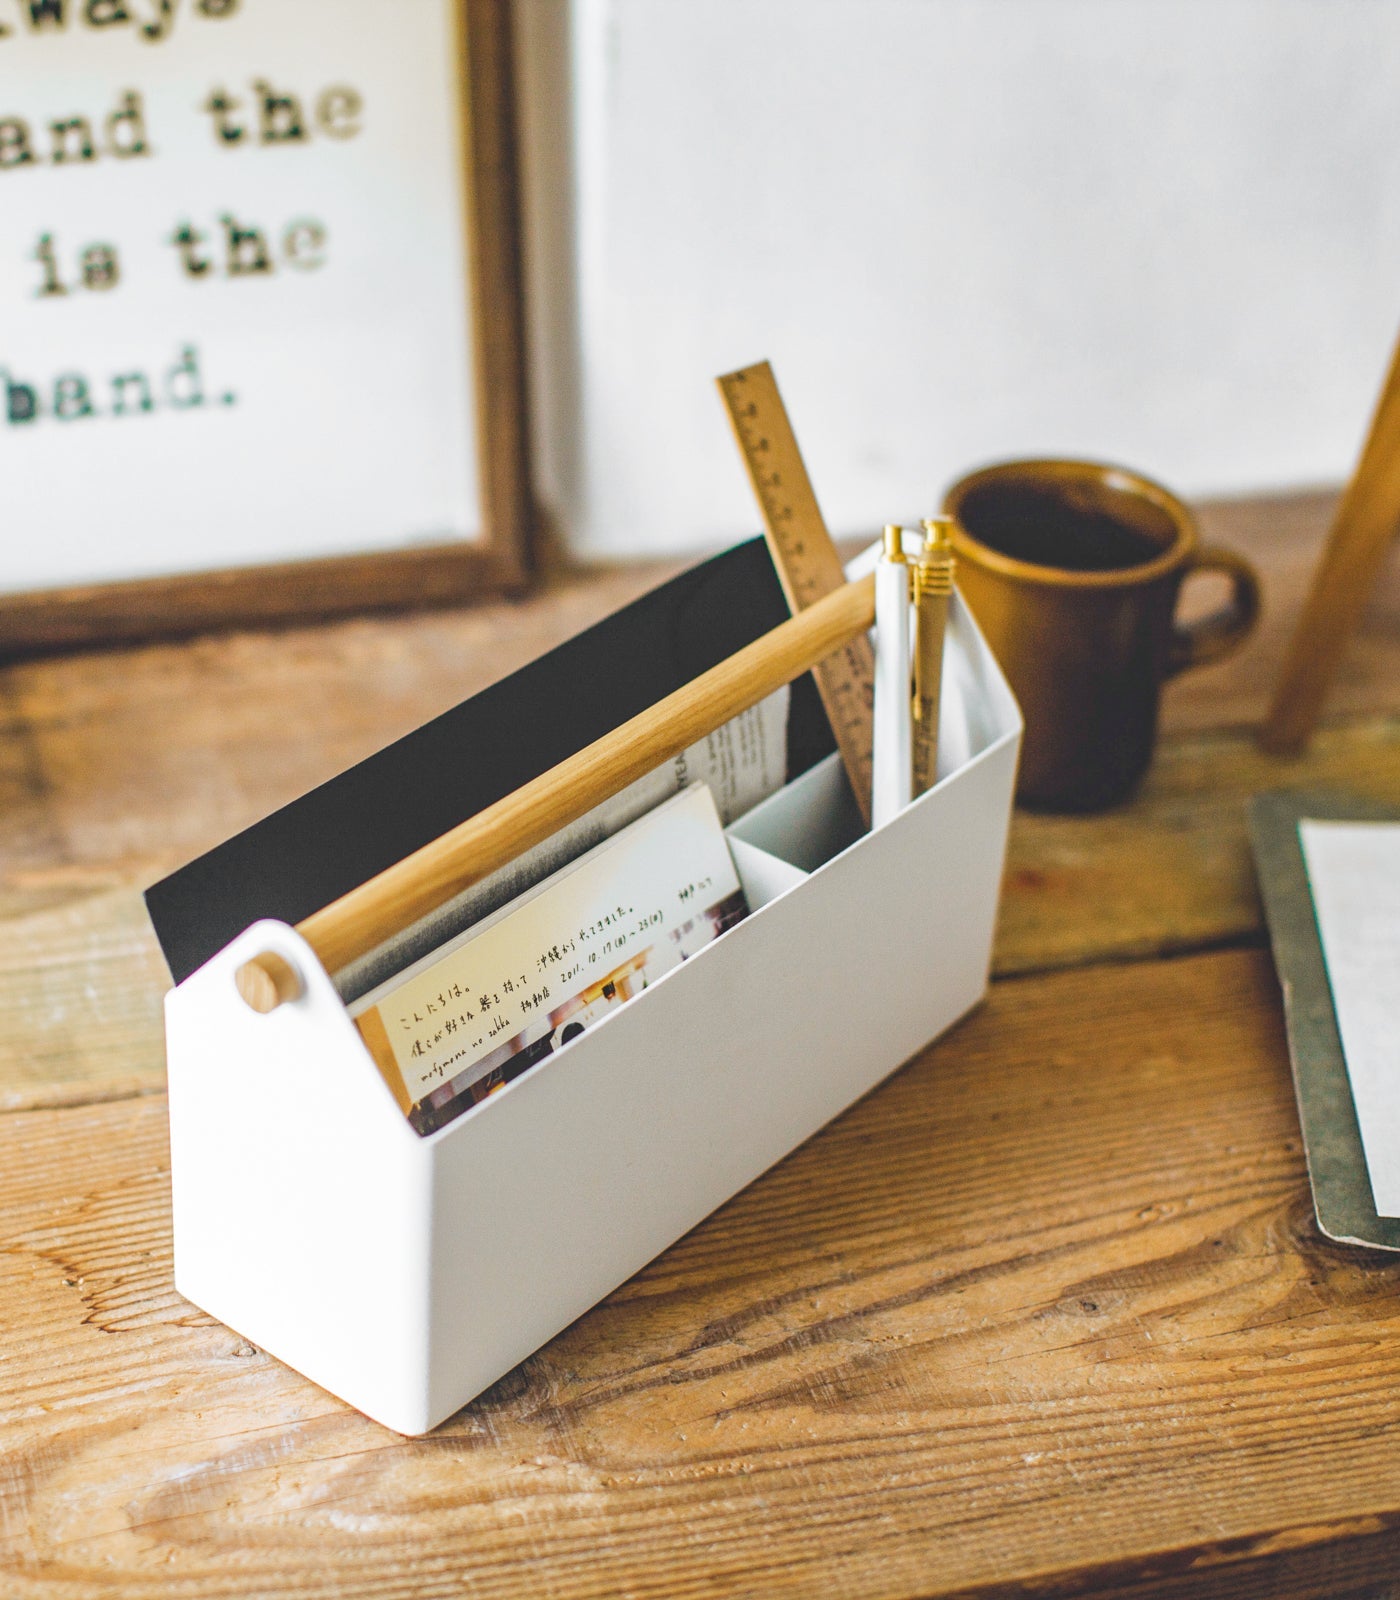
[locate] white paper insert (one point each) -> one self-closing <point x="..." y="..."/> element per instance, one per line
<point x="1354" y="870"/>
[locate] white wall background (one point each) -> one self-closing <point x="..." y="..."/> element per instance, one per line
<point x="1161" y="231"/>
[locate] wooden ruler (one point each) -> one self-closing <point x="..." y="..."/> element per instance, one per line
<point x="804" y="555"/>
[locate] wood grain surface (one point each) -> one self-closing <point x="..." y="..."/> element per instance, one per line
<point x="1046" y="1314"/>
<point x="1049" y="1302"/>
<point x="80" y="1003"/>
<point x="1172" y="870"/>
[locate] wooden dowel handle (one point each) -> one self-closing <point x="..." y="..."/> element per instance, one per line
<point x="420" y="883"/>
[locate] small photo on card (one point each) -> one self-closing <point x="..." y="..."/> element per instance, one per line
<point x="467" y="1019"/>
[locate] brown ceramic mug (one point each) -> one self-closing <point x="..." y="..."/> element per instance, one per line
<point x="1072" y="569"/>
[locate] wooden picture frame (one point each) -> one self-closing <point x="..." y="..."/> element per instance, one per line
<point x="499" y="561"/>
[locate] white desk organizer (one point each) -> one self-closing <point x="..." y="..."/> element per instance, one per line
<point x="405" y="1274"/>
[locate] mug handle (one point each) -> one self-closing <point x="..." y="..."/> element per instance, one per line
<point x="1223" y="631"/>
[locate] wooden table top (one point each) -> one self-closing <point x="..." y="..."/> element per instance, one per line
<point x="1048" y="1313"/>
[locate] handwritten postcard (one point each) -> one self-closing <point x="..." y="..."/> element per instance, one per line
<point x="464" y="1021"/>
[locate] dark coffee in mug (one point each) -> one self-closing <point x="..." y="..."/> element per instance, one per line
<point x="1052" y="528"/>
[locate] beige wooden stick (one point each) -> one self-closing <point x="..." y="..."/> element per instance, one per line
<point x="357" y="922"/>
<point x="1361" y="534"/>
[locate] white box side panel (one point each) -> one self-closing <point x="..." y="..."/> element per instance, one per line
<point x="300" y="1193"/>
<point x="560" y="1187"/>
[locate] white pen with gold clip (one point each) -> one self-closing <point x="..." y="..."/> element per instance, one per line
<point x="892" y="777"/>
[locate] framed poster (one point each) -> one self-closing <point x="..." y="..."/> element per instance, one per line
<point x="260" y="328"/>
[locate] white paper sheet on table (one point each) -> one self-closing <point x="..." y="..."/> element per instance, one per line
<point x="1354" y="870"/>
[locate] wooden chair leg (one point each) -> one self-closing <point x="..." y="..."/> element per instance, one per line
<point x="1357" y="545"/>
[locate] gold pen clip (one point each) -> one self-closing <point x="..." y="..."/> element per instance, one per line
<point x="932" y="575"/>
<point x="933" y="585"/>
